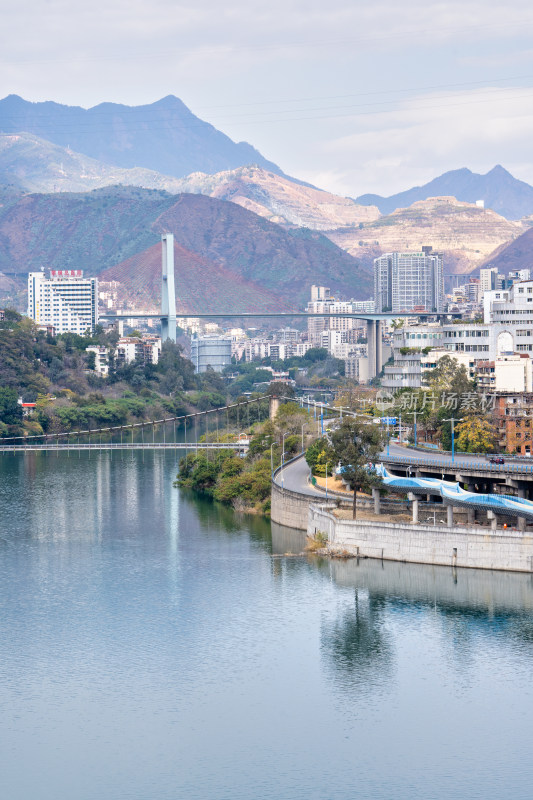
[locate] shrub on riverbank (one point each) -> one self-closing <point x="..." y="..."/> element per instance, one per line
<point x="245" y="483"/>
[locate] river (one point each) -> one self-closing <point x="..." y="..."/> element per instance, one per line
<point x="156" y="646"/>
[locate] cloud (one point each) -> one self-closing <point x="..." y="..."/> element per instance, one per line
<point x="240" y="65"/>
<point x="428" y="135"/>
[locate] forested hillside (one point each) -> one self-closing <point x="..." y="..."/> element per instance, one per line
<point x="57" y="374"/>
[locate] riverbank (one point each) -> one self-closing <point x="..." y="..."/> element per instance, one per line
<point x="402" y="540"/>
<point x="391" y="534"/>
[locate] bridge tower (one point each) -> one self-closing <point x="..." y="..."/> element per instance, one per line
<point x="168" y="292"/>
<point x="375" y="347"/>
<point x="273" y="406"/>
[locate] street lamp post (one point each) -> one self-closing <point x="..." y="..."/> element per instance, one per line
<point x="327" y="465"/>
<point x="453" y="420"/>
<point x="283" y="449"/>
<point x="414" y="414"/>
<point x="303" y="426"/>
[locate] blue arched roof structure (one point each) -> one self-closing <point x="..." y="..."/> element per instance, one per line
<point x="453" y="495"/>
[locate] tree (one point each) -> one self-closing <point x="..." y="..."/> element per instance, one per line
<point x="449" y="376"/>
<point x="10" y="410"/>
<point x="476" y="435"/>
<point x="319" y="454"/>
<point x="356" y="446"/>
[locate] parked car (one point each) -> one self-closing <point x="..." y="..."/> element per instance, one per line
<point x="497" y="460"/>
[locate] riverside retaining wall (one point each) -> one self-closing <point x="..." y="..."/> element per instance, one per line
<point x="287" y="507"/>
<point x="290" y="508"/>
<point x="424" y="544"/>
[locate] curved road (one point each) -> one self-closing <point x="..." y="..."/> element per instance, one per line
<point x="294" y="477"/>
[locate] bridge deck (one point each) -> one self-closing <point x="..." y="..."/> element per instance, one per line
<point x="445" y="464"/>
<point x="25" y="448"/>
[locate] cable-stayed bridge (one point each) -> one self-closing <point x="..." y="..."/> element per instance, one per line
<point x="167" y="316"/>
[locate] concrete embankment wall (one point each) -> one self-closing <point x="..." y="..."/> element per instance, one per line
<point x="289" y="508"/>
<point x="425" y="544"/>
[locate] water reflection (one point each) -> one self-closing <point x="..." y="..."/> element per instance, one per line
<point x="155" y="644"/>
<point x="467" y="611"/>
<point x="358" y="645"/>
<point x="478" y="593"/>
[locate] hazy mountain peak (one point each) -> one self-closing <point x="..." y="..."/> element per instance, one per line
<point x="498" y="189"/>
<point x="116" y="136"/>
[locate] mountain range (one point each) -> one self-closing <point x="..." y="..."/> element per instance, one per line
<point x="101" y="229"/>
<point x="35" y="165"/>
<point x="465" y="233"/>
<point x="514" y="255"/>
<point x="164" y="136"/>
<point x="498" y="189"/>
<point x="95" y="188"/>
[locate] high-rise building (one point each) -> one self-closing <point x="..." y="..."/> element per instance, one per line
<point x="409" y="282"/>
<point x="320" y="293"/>
<point x="490" y="279"/>
<point x="66" y="300"/>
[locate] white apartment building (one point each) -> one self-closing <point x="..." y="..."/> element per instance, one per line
<point x="317" y="325"/>
<point x="409" y="369"/>
<point x="66" y="300"/>
<point x="424" y="335"/>
<point x="409" y="281"/>
<point x="488" y="279"/>
<point x="519" y="275"/>
<point x="508" y="326"/>
<point x="101" y="359"/>
<point x="132" y="348"/>
<point x="490" y="297"/>
<point x="356" y="368"/>
<point x="320" y="293"/>
<point x="507" y="329"/>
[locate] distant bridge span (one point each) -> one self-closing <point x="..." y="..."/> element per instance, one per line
<point x="168" y="313"/>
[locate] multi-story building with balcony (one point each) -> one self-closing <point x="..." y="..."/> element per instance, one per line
<point x="66" y="300"/>
<point x="513" y="415"/>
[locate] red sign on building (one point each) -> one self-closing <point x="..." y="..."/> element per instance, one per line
<point x="66" y="273"/>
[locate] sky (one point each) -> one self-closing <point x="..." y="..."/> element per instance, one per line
<point x="351" y="96"/>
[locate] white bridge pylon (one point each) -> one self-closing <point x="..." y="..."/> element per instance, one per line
<point x="168" y="290"/>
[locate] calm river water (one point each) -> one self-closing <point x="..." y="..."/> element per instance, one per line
<point x="152" y="647"/>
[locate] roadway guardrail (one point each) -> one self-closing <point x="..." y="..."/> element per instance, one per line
<point x="523" y="469"/>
